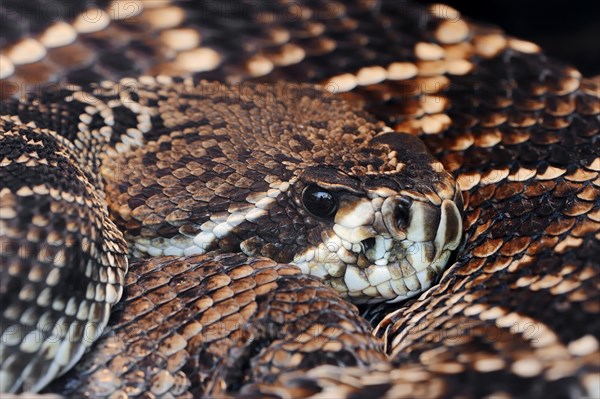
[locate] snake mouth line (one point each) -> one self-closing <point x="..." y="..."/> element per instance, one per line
<point x="397" y="256"/>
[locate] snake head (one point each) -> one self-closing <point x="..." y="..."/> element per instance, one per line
<point x="300" y="177"/>
<point x="381" y="232"/>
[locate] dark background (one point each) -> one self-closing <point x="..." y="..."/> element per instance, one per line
<point x="568" y="29"/>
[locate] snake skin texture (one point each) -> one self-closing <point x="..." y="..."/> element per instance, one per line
<point x="514" y="315"/>
<point x="243" y="320"/>
<point x="218" y="171"/>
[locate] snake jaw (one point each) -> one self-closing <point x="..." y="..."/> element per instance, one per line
<point x="379" y="253"/>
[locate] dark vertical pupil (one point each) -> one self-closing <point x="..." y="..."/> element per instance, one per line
<point x="318" y="201"/>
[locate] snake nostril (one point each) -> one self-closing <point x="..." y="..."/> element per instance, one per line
<point x="401" y="213"/>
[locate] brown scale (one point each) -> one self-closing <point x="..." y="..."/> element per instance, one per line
<point x="214" y="315"/>
<point x="522" y="319"/>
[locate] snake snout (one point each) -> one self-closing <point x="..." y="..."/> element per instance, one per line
<point x="385" y="248"/>
<point x="405" y="218"/>
<point x="418" y="221"/>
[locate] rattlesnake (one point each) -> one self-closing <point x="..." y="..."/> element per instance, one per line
<point x="239" y="190"/>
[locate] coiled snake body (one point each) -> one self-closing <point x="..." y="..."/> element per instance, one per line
<point x="252" y="208"/>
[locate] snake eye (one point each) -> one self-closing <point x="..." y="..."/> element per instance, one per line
<point x="318" y="201"/>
